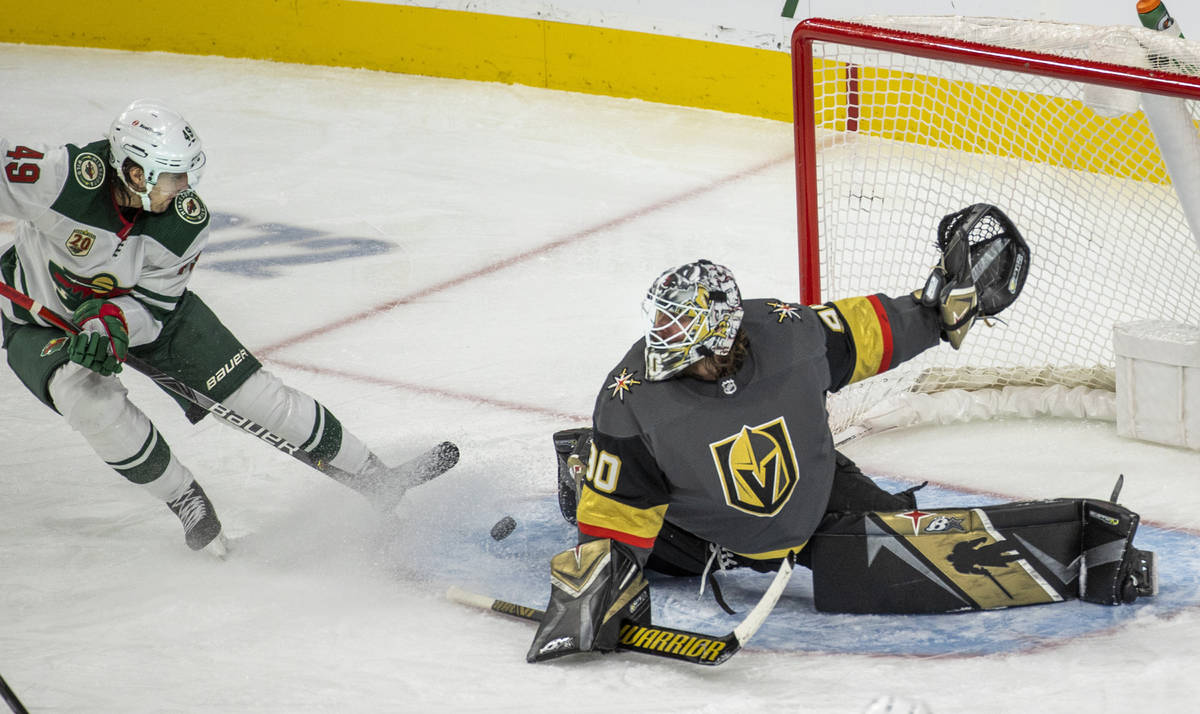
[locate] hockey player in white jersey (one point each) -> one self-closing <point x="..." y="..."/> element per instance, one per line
<point x="109" y="233"/>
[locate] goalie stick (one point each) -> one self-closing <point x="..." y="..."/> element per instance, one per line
<point x="656" y="640"/>
<point x="174" y="385"/>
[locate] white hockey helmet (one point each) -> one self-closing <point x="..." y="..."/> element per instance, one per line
<point x="692" y="312"/>
<point x="159" y="140"/>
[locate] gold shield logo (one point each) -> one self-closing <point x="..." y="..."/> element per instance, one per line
<point x="757" y="467"/>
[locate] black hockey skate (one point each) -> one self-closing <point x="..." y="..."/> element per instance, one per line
<point x="201" y="527"/>
<point x="1139" y="575"/>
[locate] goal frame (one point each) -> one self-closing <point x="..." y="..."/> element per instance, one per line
<point x="809" y="31"/>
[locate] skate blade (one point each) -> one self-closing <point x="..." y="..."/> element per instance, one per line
<point x="218" y="547"/>
<point x="1153" y="573"/>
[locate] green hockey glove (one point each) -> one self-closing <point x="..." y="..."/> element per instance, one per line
<point x="103" y="339"/>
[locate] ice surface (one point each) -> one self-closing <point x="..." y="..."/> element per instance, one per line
<point x="439" y="259"/>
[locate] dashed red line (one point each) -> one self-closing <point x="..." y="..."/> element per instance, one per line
<point x="433" y="391"/>
<point x="491" y="269"/>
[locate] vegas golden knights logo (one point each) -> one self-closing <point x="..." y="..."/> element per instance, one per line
<point x="757" y="468"/>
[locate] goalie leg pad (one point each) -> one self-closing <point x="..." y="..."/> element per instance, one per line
<point x="595" y="587"/>
<point x="945" y="560"/>
<point x="1113" y="571"/>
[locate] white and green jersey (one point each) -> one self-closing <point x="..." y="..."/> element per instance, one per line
<point x="73" y="243"/>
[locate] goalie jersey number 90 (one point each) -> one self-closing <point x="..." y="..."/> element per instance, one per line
<point x="603" y="470"/>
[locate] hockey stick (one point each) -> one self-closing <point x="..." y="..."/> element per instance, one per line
<point x="10" y="697"/>
<point x="658" y="641"/>
<point x="172" y="384"/>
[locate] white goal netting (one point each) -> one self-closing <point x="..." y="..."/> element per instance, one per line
<point x="902" y="140"/>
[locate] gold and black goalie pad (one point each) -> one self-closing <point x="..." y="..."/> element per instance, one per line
<point x="596" y="587"/>
<point x="952" y="559"/>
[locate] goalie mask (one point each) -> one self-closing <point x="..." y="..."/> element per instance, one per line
<point x="692" y="312"/>
<point x="158" y="140"/>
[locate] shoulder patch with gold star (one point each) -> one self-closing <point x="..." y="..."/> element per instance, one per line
<point x="622" y="383"/>
<point x="784" y="311"/>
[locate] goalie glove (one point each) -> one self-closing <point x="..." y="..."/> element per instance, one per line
<point x="985" y="261"/>
<point x="102" y="342"/>
<point x="595" y="587"/>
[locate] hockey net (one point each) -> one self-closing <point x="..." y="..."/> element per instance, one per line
<point x="900" y="121"/>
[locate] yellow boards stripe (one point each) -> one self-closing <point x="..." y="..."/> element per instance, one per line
<point x="437" y="42"/>
<point x="987" y="120"/>
<point x="603" y="60"/>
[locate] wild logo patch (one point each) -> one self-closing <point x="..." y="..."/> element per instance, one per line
<point x="623" y="383"/>
<point x="89" y="170"/>
<point x="74" y="290"/>
<point x="784" y="311"/>
<point x="757" y="467"/>
<point x="80" y="243"/>
<point x="54" y="346"/>
<point x="190" y="208"/>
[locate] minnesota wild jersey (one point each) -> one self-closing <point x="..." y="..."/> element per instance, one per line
<point x="747" y="461"/>
<point x="73" y="243"/>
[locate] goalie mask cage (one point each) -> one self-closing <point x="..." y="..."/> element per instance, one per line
<point x="907" y="119"/>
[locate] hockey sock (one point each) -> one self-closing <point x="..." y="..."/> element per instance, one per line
<point x="300" y="419"/>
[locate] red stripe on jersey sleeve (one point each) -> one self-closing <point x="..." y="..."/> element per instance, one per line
<point x="885" y="329"/>
<point x="598" y="532"/>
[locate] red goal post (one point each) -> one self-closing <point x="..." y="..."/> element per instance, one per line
<point x="903" y="120"/>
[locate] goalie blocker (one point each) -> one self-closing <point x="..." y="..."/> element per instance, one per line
<point x="946" y="560"/>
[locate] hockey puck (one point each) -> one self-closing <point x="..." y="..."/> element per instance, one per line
<point x="503" y="528"/>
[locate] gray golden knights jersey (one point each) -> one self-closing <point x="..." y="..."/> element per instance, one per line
<point x="73" y="243"/>
<point x="746" y="462"/>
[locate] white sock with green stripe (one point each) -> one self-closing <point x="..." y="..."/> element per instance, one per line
<point x="172" y="483"/>
<point x="297" y="417"/>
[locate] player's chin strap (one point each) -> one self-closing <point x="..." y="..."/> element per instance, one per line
<point x="144" y="196"/>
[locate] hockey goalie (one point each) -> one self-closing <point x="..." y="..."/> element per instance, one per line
<point x="710" y="449"/>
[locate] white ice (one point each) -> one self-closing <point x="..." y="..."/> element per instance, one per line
<point x="502" y="237"/>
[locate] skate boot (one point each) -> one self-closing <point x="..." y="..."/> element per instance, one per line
<point x="385" y="485"/>
<point x="1139" y="575"/>
<point x="201" y="527"/>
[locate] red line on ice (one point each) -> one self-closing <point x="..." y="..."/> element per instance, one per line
<point x="488" y="270"/>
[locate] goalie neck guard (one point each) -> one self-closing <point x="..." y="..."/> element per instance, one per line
<point x="692" y="312"/>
